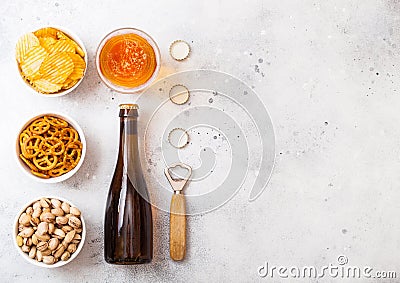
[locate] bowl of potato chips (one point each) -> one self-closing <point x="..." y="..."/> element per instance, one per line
<point x="52" y="60"/>
<point x="50" y="147"/>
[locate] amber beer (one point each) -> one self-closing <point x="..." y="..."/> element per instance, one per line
<point x="128" y="225"/>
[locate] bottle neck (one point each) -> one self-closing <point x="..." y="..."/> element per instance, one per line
<point x="128" y="143"/>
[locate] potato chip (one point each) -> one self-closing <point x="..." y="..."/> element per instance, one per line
<point x="46" y="32"/>
<point x="79" y="66"/>
<point x="44" y="86"/>
<point x="69" y="83"/>
<point x="57" y="67"/>
<point x="47" y="42"/>
<point x="78" y="49"/>
<point x="24" y="44"/>
<point x="30" y="66"/>
<point x="62" y="46"/>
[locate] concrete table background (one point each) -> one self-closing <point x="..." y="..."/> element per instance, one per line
<point x="329" y="78"/>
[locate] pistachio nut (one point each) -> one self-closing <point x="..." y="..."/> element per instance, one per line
<point x="57" y="211"/>
<point x="29" y="210"/>
<point x="58" y="233"/>
<point x="55" y="203"/>
<point x="39" y="256"/>
<point x="49" y="259"/>
<point x="70" y="236"/>
<point x="20" y="241"/>
<point x="61" y="220"/>
<point x="44" y="202"/>
<point x="42" y="228"/>
<point x="67" y="228"/>
<point x="37" y="206"/>
<point x="35" y="221"/>
<point x="34" y="240"/>
<point x="42" y="246"/>
<point x="71" y="248"/>
<point x="25" y="219"/>
<point x="74" y="222"/>
<point x="65" y="256"/>
<point x="32" y="252"/>
<point x="43" y="238"/>
<point x="66" y="207"/>
<point x="52" y="227"/>
<point x="25" y="249"/>
<point x="75" y="211"/>
<point x="36" y="212"/>
<point x="46" y="252"/>
<point x="27" y="232"/>
<point x="47" y="217"/>
<point x="53" y="243"/>
<point x="59" y="251"/>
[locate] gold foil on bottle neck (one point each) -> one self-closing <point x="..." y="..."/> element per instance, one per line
<point x="128" y="106"/>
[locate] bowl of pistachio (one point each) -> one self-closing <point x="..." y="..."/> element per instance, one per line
<point x="49" y="232"/>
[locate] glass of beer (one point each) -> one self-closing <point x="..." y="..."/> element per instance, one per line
<point x="128" y="60"/>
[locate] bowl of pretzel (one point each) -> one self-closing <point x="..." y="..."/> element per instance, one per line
<point x="50" y="147"/>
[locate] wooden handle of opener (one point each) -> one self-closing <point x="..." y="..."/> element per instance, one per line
<point x="177" y="227"/>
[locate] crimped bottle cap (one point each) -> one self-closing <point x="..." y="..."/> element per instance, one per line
<point x="179" y="94"/>
<point x="179" y="50"/>
<point x="128" y="106"/>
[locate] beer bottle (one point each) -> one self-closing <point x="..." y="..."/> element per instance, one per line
<point x="128" y="225"/>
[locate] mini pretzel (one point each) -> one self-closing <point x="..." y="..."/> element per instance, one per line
<point x="50" y="147"/>
<point x="30" y="147"/>
<point x="39" y="126"/>
<point x="56" y="122"/>
<point x="46" y="162"/>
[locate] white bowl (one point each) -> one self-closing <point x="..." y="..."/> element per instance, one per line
<point x="63" y="177"/>
<point x="73" y="36"/>
<point x="34" y="261"/>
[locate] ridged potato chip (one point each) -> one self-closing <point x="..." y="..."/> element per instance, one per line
<point x="57" y="67"/>
<point x="46" y="32"/>
<point x="44" y="86"/>
<point x="62" y="46"/>
<point x="32" y="62"/>
<point x="78" y="49"/>
<point x="79" y="66"/>
<point x="24" y="44"/>
<point x="47" y="42"/>
<point x="50" y="60"/>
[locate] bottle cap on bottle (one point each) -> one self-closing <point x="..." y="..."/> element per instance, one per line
<point x="128" y="106"/>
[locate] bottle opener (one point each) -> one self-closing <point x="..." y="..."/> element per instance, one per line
<point x="177" y="224"/>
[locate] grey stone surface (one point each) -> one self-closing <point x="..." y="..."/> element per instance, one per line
<point x="328" y="73"/>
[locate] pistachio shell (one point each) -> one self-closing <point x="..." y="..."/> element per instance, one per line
<point x="42" y="246"/>
<point x="75" y="211"/>
<point x="65" y="256"/>
<point x="35" y="221"/>
<point x="57" y="211"/>
<point x="43" y="238"/>
<point x="37" y="206"/>
<point x="61" y="220"/>
<point x="53" y="244"/>
<point x="32" y="252"/>
<point x="27" y="232"/>
<point x="58" y="233"/>
<point x="60" y="250"/>
<point x="34" y="240"/>
<point x="66" y="207"/>
<point x="74" y="222"/>
<point x="52" y="227"/>
<point x="70" y="236"/>
<point x="67" y="228"/>
<point x="39" y="256"/>
<point x="36" y="212"/>
<point x="71" y="248"/>
<point x="49" y="259"/>
<point x="46" y="252"/>
<point x="44" y="202"/>
<point x="55" y="203"/>
<point x="42" y="228"/>
<point x="25" y="248"/>
<point x="24" y="219"/>
<point x="29" y="210"/>
<point x="47" y="217"/>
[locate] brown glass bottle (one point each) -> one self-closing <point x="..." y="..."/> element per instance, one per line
<point x="128" y="225"/>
